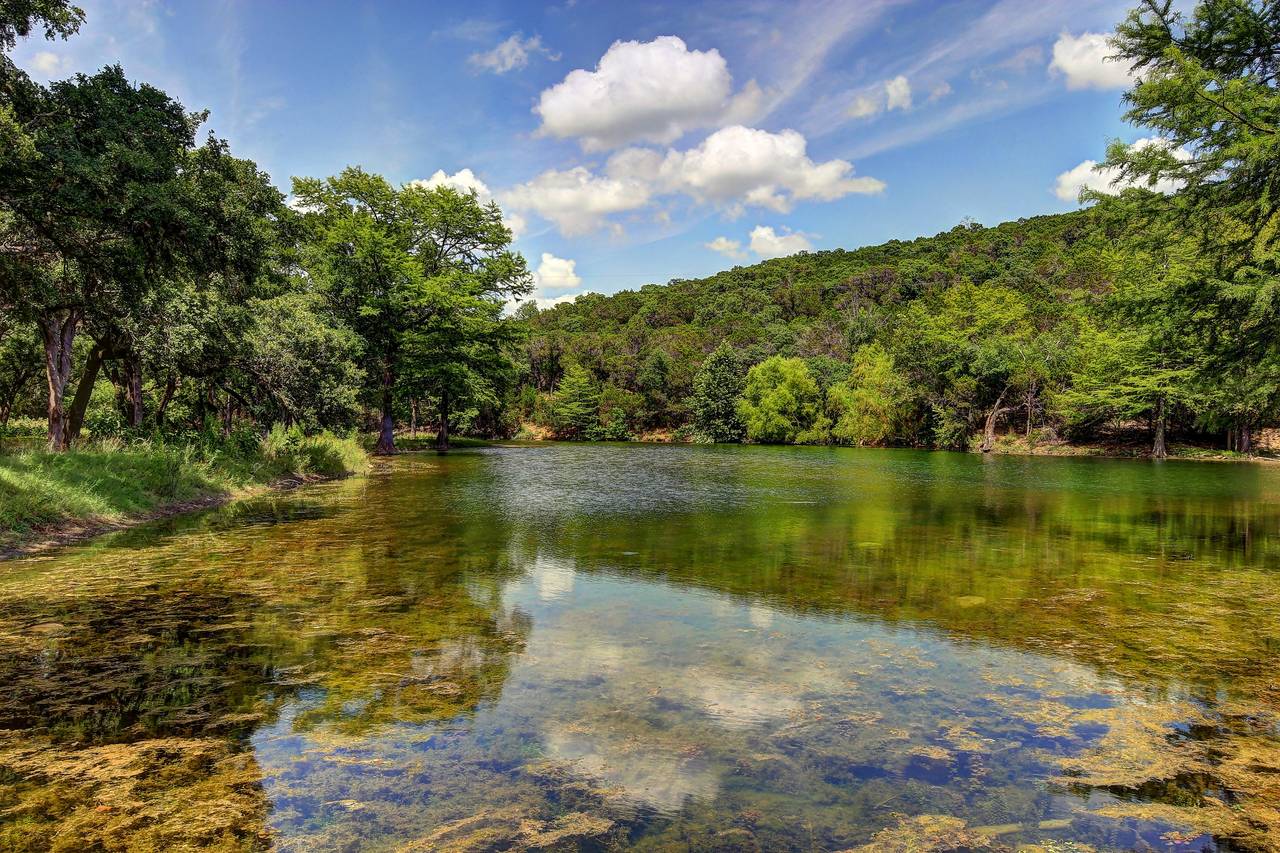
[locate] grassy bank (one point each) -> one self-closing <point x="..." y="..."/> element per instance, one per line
<point x="44" y="494"/>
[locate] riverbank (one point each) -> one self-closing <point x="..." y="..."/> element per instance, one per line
<point x="1017" y="445"/>
<point x="49" y="499"/>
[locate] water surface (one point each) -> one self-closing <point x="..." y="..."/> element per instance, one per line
<point x="662" y="648"/>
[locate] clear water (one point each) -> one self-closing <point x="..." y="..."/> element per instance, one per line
<point x="662" y="648"/>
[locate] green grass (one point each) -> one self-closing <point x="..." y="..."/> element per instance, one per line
<point x="111" y="481"/>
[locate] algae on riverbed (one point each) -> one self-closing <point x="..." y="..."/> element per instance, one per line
<point x="754" y="651"/>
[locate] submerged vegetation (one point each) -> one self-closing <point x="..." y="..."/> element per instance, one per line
<point x="860" y="656"/>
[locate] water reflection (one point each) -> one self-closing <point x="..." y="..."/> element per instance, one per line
<point x="658" y="648"/>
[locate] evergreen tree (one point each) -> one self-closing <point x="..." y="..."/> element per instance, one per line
<point x="714" y="403"/>
<point x="575" y="409"/>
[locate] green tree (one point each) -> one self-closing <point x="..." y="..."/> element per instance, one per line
<point x="95" y="214"/>
<point x="575" y="408"/>
<point x="18" y="18"/>
<point x="869" y="406"/>
<point x="972" y="348"/>
<point x="298" y="364"/>
<point x="19" y="365"/>
<point x="419" y="273"/>
<point x="717" y="386"/>
<point x="781" y="403"/>
<point x="1207" y="88"/>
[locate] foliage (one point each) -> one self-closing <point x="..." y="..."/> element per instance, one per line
<point x="713" y="406"/>
<point x="781" y="403"/>
<point x="421" y="274"/>
<point x="575" y="408"/>
<point x="869" y="407"/>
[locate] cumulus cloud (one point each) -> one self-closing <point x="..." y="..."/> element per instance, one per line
<point x="897" y="93"/>
<point x="888" y="95"/>
<point x="734" y="168"/>
<point x="1083" y="61"/>
<point x="576" y="200"/>
<point x="556" y="274"/>
<point x="1107" y="179"/>
<point x="645" y="92"/>
<point x="740" y="166"/>
<point x="728" y="248"/>
<point x="466" y="181"/>
<point x="511" y="54"/>
<point x="768" y="243"/>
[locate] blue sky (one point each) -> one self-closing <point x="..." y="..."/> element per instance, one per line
<point x="633" y="143"/>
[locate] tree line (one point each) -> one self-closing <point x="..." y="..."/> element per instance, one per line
<point x="153" y="281"/>
<point x="131" y="248"/>
<point x="1145" y="312"/>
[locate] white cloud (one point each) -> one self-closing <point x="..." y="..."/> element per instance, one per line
<point x="767" y="243"/>
<point x="576" y="200"/>
<point x="48" y="63"/>
<point x="556" y="274"/>
<point x="898" y="93"/>
<point x="1107" y="179"/>
<point x="865" y="106"/>
<point x="511" y="54"/>
<point x="465" y="181"/>
<point x="734" y="168"/>
<point x="1083" y="61"/>
<point x="645" y="91"/>
<point x="728" y="248"/>
<point x="888" y="95"/>
<point x="939" y="91"/>
<point x="739" y="166"/>
<point x="545" y="302"/>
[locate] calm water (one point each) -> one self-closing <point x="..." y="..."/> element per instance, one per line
<point x="662" y="648"/>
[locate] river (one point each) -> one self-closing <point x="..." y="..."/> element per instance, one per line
<point x="662" y="648"/>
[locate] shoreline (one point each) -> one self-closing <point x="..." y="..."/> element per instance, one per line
<point x="74" y="532"/>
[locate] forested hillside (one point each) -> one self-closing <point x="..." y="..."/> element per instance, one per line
<point x="1037" y="326"/>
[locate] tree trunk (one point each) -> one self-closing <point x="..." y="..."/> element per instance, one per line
<point x="387" y="435"/>
<point x="170" y="388"/>
<point x="228" y="417"/>
<point x="1246" y="440"/>
<point x="413" y="417"/>
<point x="989" y="431"/>
<point x="442" y="434"/>
<point x="132" y="382"/>
<point x="1158" y="449"/>
<point x="84" y="391"/>
<point x="1031" y="404"/>
<point x="12" y="392"/>
<point x="59" y="334"/>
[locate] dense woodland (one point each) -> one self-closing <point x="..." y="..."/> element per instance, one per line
<point x="153" y="283"/>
